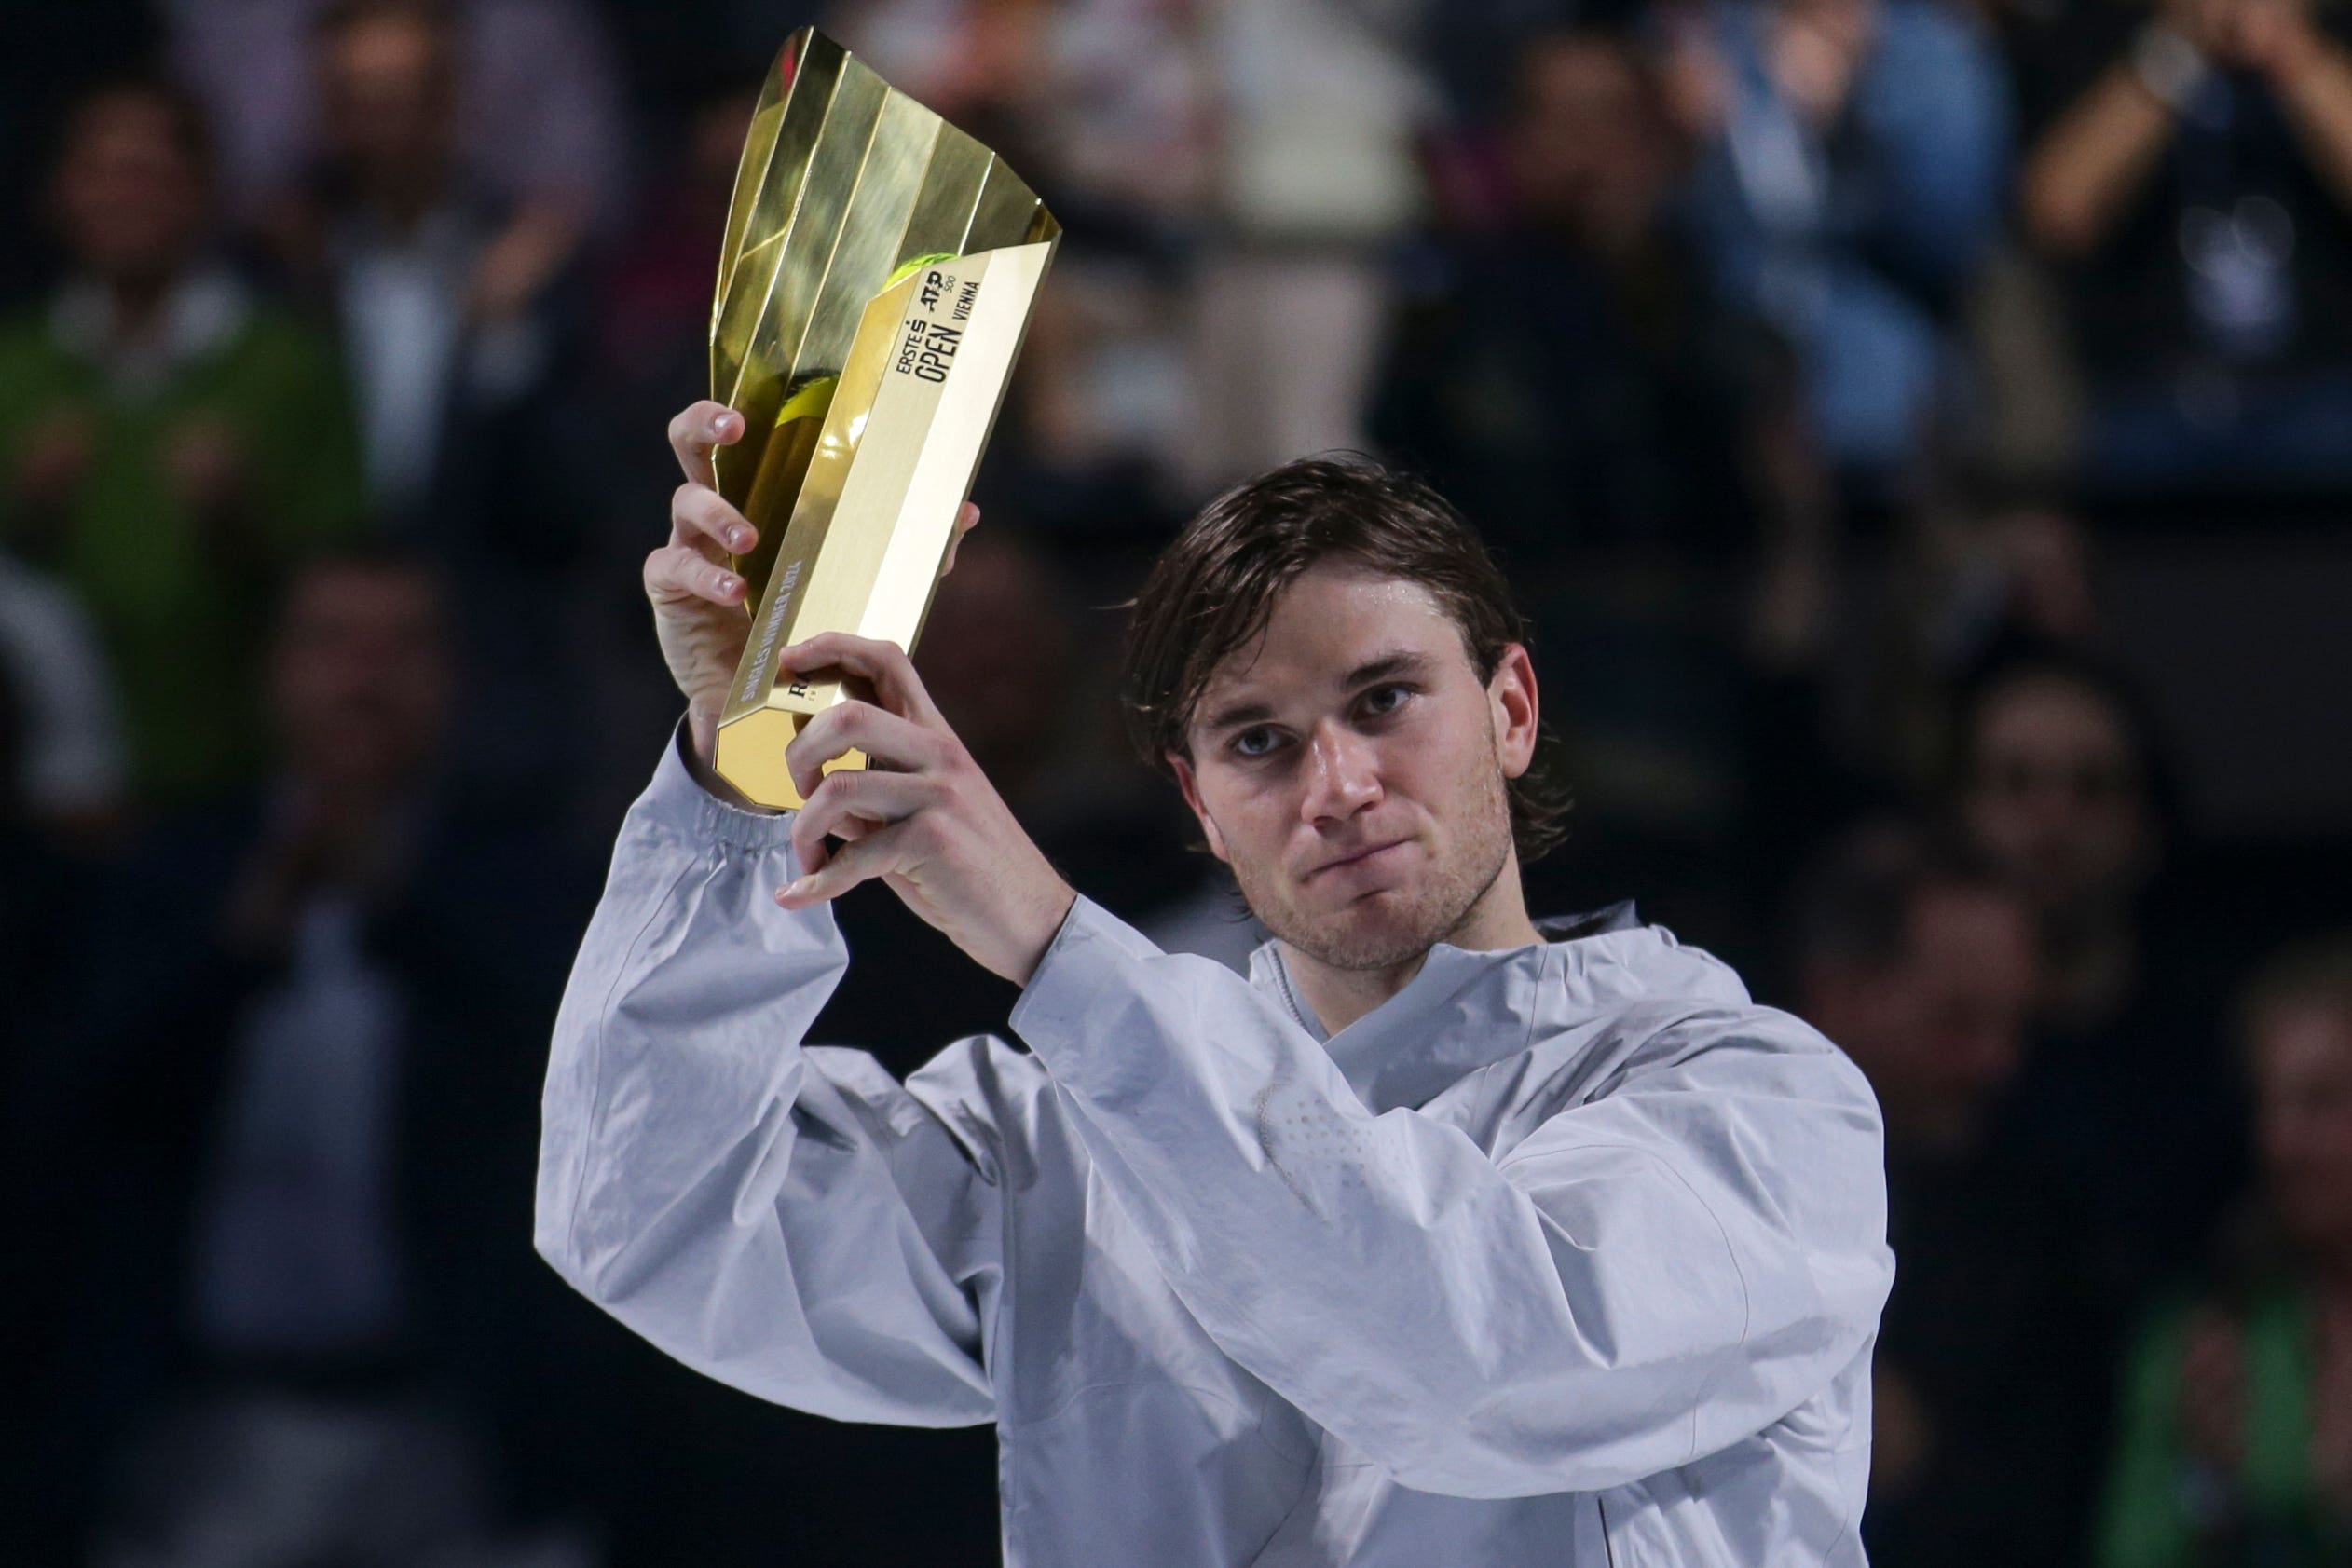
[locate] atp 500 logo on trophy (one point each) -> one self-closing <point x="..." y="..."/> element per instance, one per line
<point x="878" y="273"/>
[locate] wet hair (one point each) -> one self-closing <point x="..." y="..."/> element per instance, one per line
<point x="1214" y="590"/>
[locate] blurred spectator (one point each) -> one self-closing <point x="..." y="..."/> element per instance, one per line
<point x="1626" y="446"/>
<point x="54" y="54"/>
<point x="1319" y="113"/>
<point x="538" y="117"/>
<point x="2020" y="574"/>
<point x="1568" y="381"/>
<point x="463" y="342"/>
<point x="298" y="1146"/>
<point x="1857" y="173"/>
<point x="1108" y="109"/>
<point x="1990" y="1383"/>
<point x="1474" y="46"/>
<point x="653" y="315"/>
<point x="1980" y="572"/>
<point x="2123" y="1097"/>
<point x="1085" y="451"/>
<point x="1103" y="106"/>
<point x="168" y="440"/>
<point x="2191" y="175"/>
<point x="443" y="309"/>
<point x="2238" y="1424"/>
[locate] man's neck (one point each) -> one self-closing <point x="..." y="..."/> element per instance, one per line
<point x="1340" y="996"/>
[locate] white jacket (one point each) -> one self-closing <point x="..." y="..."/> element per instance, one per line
<point x="1564" y="1254"/>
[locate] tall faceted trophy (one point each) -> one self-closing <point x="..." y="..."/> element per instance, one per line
<point x="878" y="273"/>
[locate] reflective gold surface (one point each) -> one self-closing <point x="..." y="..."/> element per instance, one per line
<point x="866" y="402"/>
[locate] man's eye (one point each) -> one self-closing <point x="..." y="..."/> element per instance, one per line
<point x="1375" y="698"/>
<point x="1242" y="743"/>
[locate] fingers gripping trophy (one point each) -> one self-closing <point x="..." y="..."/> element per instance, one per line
<point x="878" y="271"/>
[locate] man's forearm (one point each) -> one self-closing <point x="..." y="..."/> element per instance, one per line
<point x="677" y="1187"/>
<point x="2090" y="164"/>
<point x="2314" y="83"/>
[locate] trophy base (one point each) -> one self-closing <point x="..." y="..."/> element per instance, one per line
<point x="750" y="755"/>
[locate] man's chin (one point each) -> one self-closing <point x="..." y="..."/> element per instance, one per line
<point x="1377" y="930"/>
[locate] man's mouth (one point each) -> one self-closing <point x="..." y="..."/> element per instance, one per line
<point x="1359" y="858"/>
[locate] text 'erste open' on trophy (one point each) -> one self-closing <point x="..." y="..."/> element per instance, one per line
<point x="877" y="272"/>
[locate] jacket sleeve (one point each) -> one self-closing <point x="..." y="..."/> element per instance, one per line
<point x="790" y="1221"/>
<point x="1647" y="1280"/>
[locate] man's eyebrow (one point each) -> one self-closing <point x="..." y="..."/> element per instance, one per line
<point x="1240" y="713"/>
<point x="1401" y="661"/>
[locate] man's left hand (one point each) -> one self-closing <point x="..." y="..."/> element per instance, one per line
<point x="922" y="816"/>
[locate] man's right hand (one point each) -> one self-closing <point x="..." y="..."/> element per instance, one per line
<point x="701" y="609"/>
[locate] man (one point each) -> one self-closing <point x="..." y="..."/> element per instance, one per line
<point x="168" y="443"/>
<point x="442" y="294"/>
<point x="1855" y="157"/>
<point x="1989" y="1379"/>
<point x="2124" y="1097"/>
<point x="1444" y="1237"/>
<point x="286" y="1328"/>
<point x="1565" y="379"/>
<point x="2187" y="178"/>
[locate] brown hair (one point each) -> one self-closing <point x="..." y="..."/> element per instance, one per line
<point x="1214" y="589"/>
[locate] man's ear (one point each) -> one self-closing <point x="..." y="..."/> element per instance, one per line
<point x="1191" y="786"/>
<point x="1510" y="694"/>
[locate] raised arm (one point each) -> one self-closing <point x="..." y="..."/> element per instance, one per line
<point x="2094" y="161"/>
<point x="2097" y="158"/>
<point x="1644" y="1281"/>
<point x="789" y="1220"/>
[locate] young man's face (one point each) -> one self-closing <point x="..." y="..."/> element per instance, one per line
<point x="1351" y="768"/>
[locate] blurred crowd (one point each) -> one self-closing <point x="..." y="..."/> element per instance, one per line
<point x="1920" y="432"/>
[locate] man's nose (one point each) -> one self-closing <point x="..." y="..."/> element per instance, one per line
<point x="1341" y="774"/>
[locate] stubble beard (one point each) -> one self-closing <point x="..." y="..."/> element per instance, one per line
<point x="1416" y="917"/>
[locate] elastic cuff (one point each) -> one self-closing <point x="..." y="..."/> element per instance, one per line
<point x="677" y="799"/>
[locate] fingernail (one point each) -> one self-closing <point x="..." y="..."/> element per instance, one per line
<point x="739" y="539"/>
<point x="727" y="584"/>
<point x="792" y="889"/>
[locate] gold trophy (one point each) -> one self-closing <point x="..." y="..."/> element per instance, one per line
<point x="878" y="273"/>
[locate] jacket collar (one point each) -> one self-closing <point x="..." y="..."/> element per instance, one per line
<point x="1465" y="1010"/>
